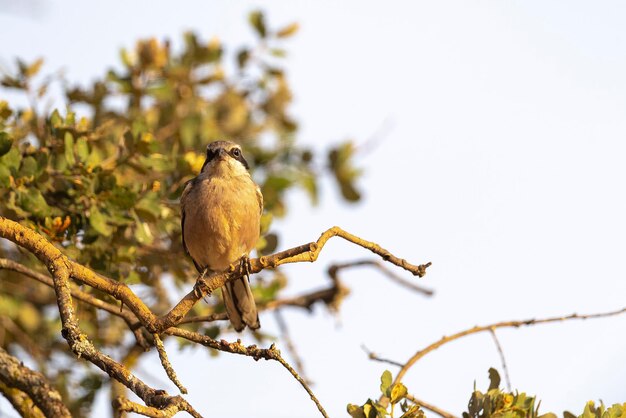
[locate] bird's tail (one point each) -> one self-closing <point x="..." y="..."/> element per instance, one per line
<point x="240" y="305"/>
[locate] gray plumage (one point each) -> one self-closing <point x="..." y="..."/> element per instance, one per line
<point x="221" y="212"/>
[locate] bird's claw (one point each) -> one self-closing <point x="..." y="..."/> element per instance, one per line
<point x="245" y="266"/>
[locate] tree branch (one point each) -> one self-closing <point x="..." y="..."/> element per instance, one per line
<point x="253" y="351"/>
<point x="332" y="270"/>
<point x="303" y="253"/>
<point x="514" y="324"/>
<point x="61" y="268"/>
<point x="21" y="402"/>
<point x="17" y="376"/>
<point x="430" y="407"/>
<point x="169" y="370"/>
<point x="128" y="317"/>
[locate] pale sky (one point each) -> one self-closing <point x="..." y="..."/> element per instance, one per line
<point x="501" y="161"/>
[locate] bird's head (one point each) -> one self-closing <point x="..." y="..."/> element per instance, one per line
<point x="224" y="158"/>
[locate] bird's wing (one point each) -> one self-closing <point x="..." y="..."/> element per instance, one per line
<point x="259" y="197"/>
<point x="183" y="198"/>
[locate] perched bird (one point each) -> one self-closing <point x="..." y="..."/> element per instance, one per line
<point x="221" y="213"/>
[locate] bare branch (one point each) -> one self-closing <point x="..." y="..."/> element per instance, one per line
<point x="60" y="267"/>
<point x="373" y="356"/>
<point x="21" y="402"/>
<point x="303" y="253"/>
<point x="387" y="272"/>
<point x="15" y="375"/>
<point x="430" y="407"/>
<point x="253" y="351"/>
<point x="121" y="405"/>
<point x="502" y="359"/>
<point x="169" y="370"/>
<point x="285" y="336"/>
<point x="504" y="324"/>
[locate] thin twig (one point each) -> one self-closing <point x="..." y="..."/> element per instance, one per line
<point x="514" y="324"/>
<point x="373" y="356"/>
<point x="387" y="272"/>
<point x="222" y="316"/>
<point x="253" y="351"/>
<point x="284" y="334"/>
<point x="169" y="370"/>
<point x="502" y="359"/>
<point x="430" y="407"/>
<point x="121" y="405"/>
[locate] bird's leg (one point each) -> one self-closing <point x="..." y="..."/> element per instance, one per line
<point x="200" y="282"/>
<point x="245" y="265"/>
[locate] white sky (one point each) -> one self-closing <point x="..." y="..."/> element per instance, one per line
<point x="504" y="167"/>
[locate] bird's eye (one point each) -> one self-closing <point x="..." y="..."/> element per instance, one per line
<point x="236" y="153"/>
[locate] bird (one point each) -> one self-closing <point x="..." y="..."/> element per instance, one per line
<point x="220" y="220"/>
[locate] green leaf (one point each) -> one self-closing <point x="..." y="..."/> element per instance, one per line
<point x="98" y="222"/>
<point x="189" y="130"/>
<point x="494" y="379"/>
<point x="355" y="411"/>
<point x="288" y="30"/>
<point x="31" y="200"/>
<point x="5" y="143"/>
<point x="242" y="57"/>
<point x="55" y="119"/>
<point x="143" y="234"/>
<point x="69" y="149"/>
<point x="149" y="207"/>
<point x="385" y="382"/>
<point x="278" y="52"/>
<point x="5" y="176"/>
<point x="133" y="278"/>
<point x="12" y="159"/>
<point x="82" y="149"/>
<point x="398" y="392"/>
<point x="29" y="167"/>
<point x="257" y="20"/>
<point x="33" y="68"/>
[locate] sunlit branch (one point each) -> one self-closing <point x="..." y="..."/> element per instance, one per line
<point x="61" y="268"/>
<point x="169" y="370"/>
<point x="387" y="272"/>
<point x="253" y="351"/>
<point x="15" y="375"/>
<point x="511" y="324"/>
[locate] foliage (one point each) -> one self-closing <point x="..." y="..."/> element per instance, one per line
<point x="495" y="403"/>
<point x="392" y="394"/>
<point x="101" y="176"/>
